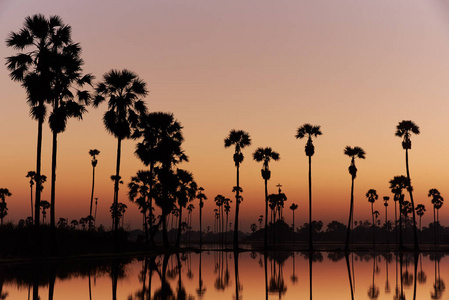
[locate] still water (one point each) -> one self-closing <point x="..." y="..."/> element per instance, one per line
<point x="224" y="275"/>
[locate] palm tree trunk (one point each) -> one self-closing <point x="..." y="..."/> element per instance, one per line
<point x="237" y="204"/>
<point x="201" y="228"/>
<point x="53" y="180"/>
<point x="31" y="186"/>
<point x="310" y="203"/>
<point x="396" y="221"/>
<point x="348" y="232"/>
<point x="92" y="196"/>
<point x="415" y="234"/>
<point x="116" y="183"/>
<point x="372" y="215"/>
<point x="178" y="237"/>
<point x="37" y="201"/>
<point x="265" y="239"/>
<point x="150" y="193"/>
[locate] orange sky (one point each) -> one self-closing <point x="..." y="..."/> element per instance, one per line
<point x="355" y="68"/>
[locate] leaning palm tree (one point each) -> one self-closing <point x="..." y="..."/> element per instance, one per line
<point x="309" y="131"/>
<point x="372" y="197"/>
<point x="123" y="90"/>
<point x="93" y="153"/>
<point x="33" y="68"/>
<point x="265" y="155"/>
<point x="201" y="196"/>
<point x="239" y="139"/>
<point x="352" y="153"/>
<point x="404" y="129"/>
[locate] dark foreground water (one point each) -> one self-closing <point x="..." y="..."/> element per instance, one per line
<point x="223" y="275"/>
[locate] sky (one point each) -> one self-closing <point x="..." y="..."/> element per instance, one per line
<point x="356" y="68"/>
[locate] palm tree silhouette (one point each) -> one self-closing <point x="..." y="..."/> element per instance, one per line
<point x="240" y="139"/>
<point x="397" y="184"/>
<point x="227" y="209"/>
<point x="309" y="131"/>
<point x="38" y="38"/>
<point x="186" y="192"/>
<point x="420" y="209"/>
<point x="437" y="202"/>
<point x="201" y="196"/>
<point x="293" y="207"/>
<point x="386" y="198"/>
<point x="352" y="153"/>
<point x="44" y="205"/>
<point x="32" y="176"/>
<point x="161" y="150"/>
<point x="93" y="153"/>
<point x="404" y="129"/>
<point x="265" y="155"/>
<point x="372" y="197"/>
<point x="3" y="209"/>
<point x="219" y="202"/>
<point x="122" y="89"/>
<point x="139" y="192"/>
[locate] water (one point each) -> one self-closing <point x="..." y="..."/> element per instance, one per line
<point x="211" y="275"/>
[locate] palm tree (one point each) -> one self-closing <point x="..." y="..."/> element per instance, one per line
<point x="122" y="89"/>
<point x="67" y="69"/>
<point x="240" y="139"/>
<point x="3" y="209"/>
<point x="420" y="209"/>
<point x="32" y="176"/>
<point x="309" y="131"/>
<point x="293" y="207"/>
<point x="437" y="202"/>
<point x="93" y="153"/>
<point x="219" y="202"/>
<point x="404" y="129"/>
<point x="186" y="192"/>
<point x="397" y="184"/>
<point x="372" y="197"/>
<point x="227" y="209"/>
<point x="201" y="196"/>
<point x="260" y="221"/>
<point x="139" y="193"/>
<point x="38" y="38"/>
<point x="44" y="205"/>
<point x="386" y="198"/>
<point x="352" y="153"/>
<point x="161" y="150"/>
<point x="265" y="155"/>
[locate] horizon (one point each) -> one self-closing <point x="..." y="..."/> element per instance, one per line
<point x="269" y="70"/>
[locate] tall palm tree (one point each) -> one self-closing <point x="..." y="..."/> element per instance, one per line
<point x="3" y="209"/>
<point x="309" y="131"/>
<point x="420" y="209"/>
<point x="67" y="76"/>
<point x="397" y="184"/>
<point x="353" y="153"/>
<point x="372" y="197"/>
<point x="33" y="68"/>
<point x="239" y="139"/>
<point x="123" y="90"/>
<point x="404" y="129"/>
<point x="265" y="155"/>
<point x="227" y="209"/>
<point x="139" y="192"/>
<point x="201" y="196"/>
<point x="93" y="153"/>
<point x="219" y="202"/>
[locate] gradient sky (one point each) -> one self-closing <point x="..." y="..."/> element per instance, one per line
<point x="356" y="68"/>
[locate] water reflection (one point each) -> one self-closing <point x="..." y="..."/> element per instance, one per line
<point x="233" y="275"/>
